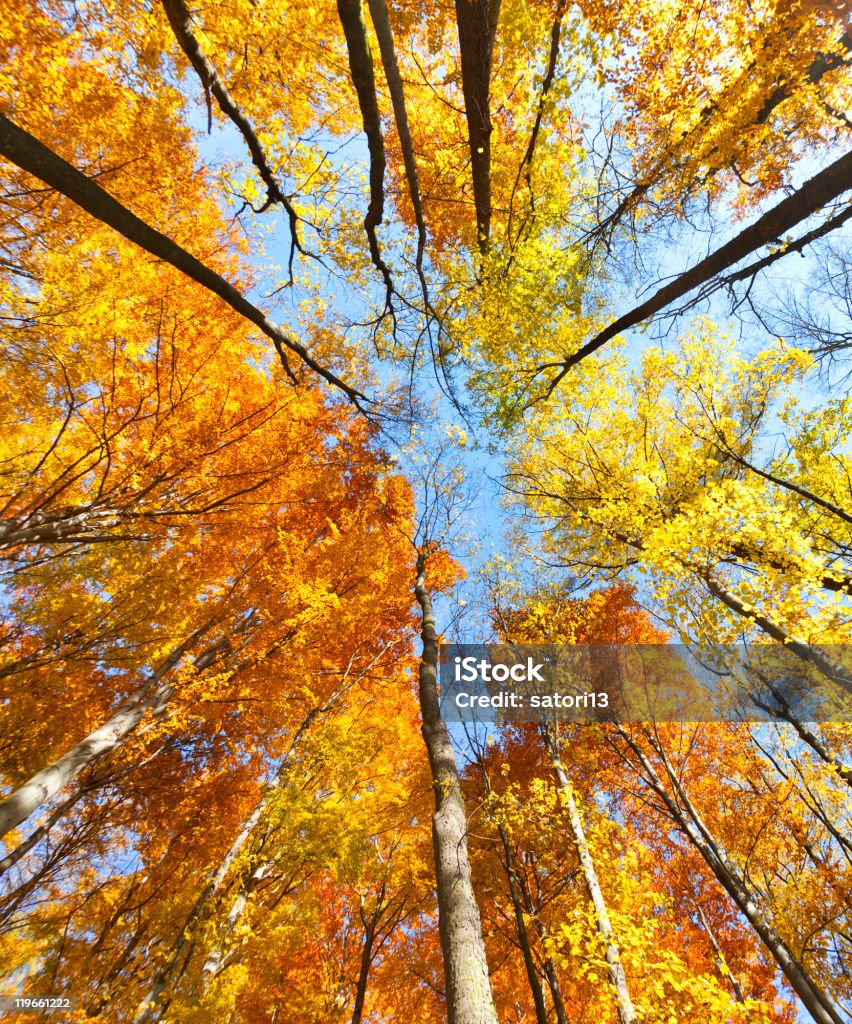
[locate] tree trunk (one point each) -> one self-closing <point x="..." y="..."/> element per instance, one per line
<point x="468" y="987"/>
<point x="721" y="962"/>
<point x="477" y="27"/>
<point x="516" y="896"/>
<point x="805" y="734"/>
<point x="351" y="13"/>
<point x="617" y="977"/>
<point x="384" y="34"/>
<point x="826" y="186"/>
<point x="555" y="991"/>
<point x="684" y="815"/>
<point x="85" y="523"/>
<point x="151" y="696"/>
<point x="152" y="1006"/>
<point x="215" y="959"/>
<point x="370" y="925"/>
<point x="523" y="934"/>
<point x="26" y="152"/>
<point x="181" y="23"/>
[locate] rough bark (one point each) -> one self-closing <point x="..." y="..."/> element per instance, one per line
<point x="468" y="987"/>
<point x="683" y="814"/>
<point x="32" y="156"/>
<point x="615" y="968"/>
<point x="477" y="26"/>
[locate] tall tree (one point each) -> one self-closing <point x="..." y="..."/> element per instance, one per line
<point x="468" y="987"/>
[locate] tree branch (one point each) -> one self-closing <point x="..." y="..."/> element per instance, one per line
<point x="822" y="64"/>
<point x="823" y="188"/>
<point x="180" y="21"/>
<point x="32" y="156"/>
<point x="525" y="167"/>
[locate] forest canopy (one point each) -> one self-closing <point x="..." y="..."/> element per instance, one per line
<point x="335" y="331"/>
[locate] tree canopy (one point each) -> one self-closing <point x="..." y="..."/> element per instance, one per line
<point x="336" y="331"/>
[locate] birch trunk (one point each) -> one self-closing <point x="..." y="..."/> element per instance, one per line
<point x="153" y="1005"/>
<point x="85" y="523"/>
<point x="615" y="968"/>
<point x="216" y="957"/>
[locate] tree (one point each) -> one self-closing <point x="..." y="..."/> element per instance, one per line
<point x="728" y="539"/>
<point x="468" y="988"/>
<point x="216" y="552"/>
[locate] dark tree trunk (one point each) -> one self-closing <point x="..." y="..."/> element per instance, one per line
<point x="477" y="27"/>
<point x="814" y="195"/>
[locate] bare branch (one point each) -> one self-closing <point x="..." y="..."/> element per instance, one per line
<point x="830" y="184"/>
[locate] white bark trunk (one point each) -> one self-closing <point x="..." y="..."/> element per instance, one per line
<point x="30" y="795"/>
<point x="617" y="977"/>
<point x="152" y="695"/>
